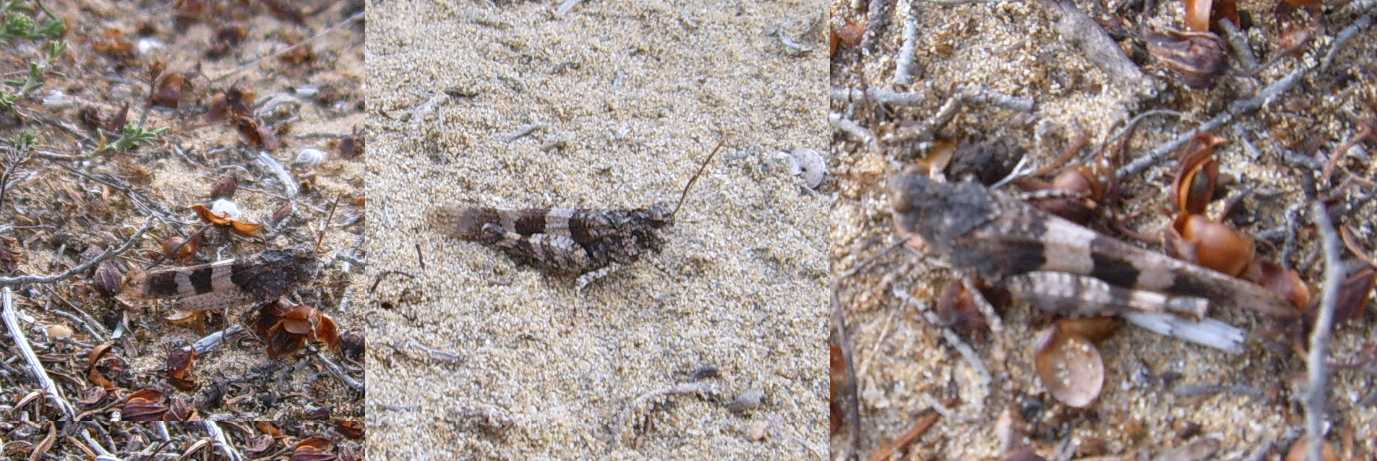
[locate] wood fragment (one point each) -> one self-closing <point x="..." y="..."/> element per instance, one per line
<point x="903" y="63"/>
<point x="909" y="436"/>
<point x="1082" y="32"/>
<point x="40" y="375"/>
<point x="876" y="23"/>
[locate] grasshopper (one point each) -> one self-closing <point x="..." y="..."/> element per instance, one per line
<point x="1065" y="268"/>
<point x="586" y="242"/>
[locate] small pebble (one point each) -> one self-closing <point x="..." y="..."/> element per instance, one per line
<point x="747" y="401"/>
<point x="147" y="44"/>
<point x="310" y="157"/>
<point x="59" y="331"/>
<point x="807" y="164"/>
<point x="758" y="430"/>
<point x="225" y="207"/>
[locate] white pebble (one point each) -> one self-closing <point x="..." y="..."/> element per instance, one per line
<point x="148" y="44"/>
<point x="806" y="163"/>
<point x="310" y="157"/>
<point x="225" y="207"/>
<point x="56" y="99"/>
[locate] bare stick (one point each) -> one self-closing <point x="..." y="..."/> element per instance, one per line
<point x="907" y="438"/>
<point x="697" y="387"/>
<point x="337" y="26"/>
<point x="36" y="367"/>
<point x="1082" y="32"/>
<point x="1314" y="398"/>
<point x="875" y="25"/>
<point x="964" y="96"/>
<point x="338" y="372"/>
<point x="880" y="95"/>
<point x="966" y="351"/>
<point x="903" y="64"/>
<point x="1239" y="42"/>
<point x="23" y="279"/>
<point x="1237" y="108"/>
<point x="854" y="129"/>
<point x="220" y="440"/>
<point x="851" y="394"/>
<point x="213" y="340"/>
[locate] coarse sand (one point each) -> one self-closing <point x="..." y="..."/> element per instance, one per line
<point x="614" y="104"/>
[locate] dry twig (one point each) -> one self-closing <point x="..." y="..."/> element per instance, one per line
<point x="919" y="428"/>
<point x="79" y="268"/>
<point x="1316" y="390"/>
<point x="35" y="366"/>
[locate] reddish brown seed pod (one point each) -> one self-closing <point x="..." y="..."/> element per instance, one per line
<point x="1202" y="15"/>
<point x="1197" y="174"/>
<point x="225" y="187"/>
<point x="169" y="90"/>
<point x="1197" y="57"/>
<point x="1069" y="366"/>
<point x="1286" y="283"/>
<point x="1214" y="245"/>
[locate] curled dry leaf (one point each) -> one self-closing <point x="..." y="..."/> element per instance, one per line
<point x="145" y="405"/>
<point x="286" y="329"/>
<point x="351" y="428"/>
<point x="848" y="35"/>
<point x="1197" y="174"/>
<point x="197" y="320"/>
<point x="1095" y="329"/>
<point x="259" y="445"/>
<point x="10" y="257"/>
<point x="92" y="396"/>
<point x="182" y="409"/>
<point x="179" y="365"/>
<point x="93" y="372"/>
<point x="314" y="449"/>
<point x="1202" y="15"/>
<point x="179" y="249"/>
<point x="108" y="278"/>
<point x="1069" y="366"/>
<point x="1217" y="246"/>
<point x="837" y="375"/>
<point x="244" y="228"/>
<point x="1022" y="454"/>
<point x="1197" y="57"/>
<point x="112" y="43"/>
<point x="1353" y="294"/>
<point x="225" y="187"/>
<point x="1301" y="447"/>
<point x="169" y="89"/>
<point x="1284" y="282"/>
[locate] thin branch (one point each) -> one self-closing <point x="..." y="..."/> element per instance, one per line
<point x="919" y="428"/>
<point x="903" y="64"/>
<point x="221" y="441"/>
<point x="1081" y="31"/>
<point x="336" y="26"/>
<point x="854" y="129"/>
<point x="1239" y="42"/>
<point x="1314" y="398"/>
<point x="880" y="95"/>
<point x="850" y="395"/>
<point x="876" y="23"/>
<point x="338" y="372"/>
<point x="23" y="279"/>
<point x="1237" y="108"/>
<point x="35" y="366"/>
<point x="966" y="351"/>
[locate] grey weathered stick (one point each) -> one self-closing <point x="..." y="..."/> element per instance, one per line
<point x="35" y="366"/>
<point x="1344" y="36"/>
<point x="1081" y="31"/>
<point x="79" y="268"/>
<point x="880" y="95"/>
<point x="966" y="351"/>
<point x="854" y="129"/>
<point x="1237" y="108"/>
<point x="338" y="372"/>
<point x="1317" y="389"/>
<point x="213" y="340"/>
<point x="876" y="23"/>
<point x="221" y="441"/>
<point x="903" y="64"/>
<point x="1239" y="42"/>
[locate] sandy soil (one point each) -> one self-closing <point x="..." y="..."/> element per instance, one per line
<point x="476" y="357"/>
<point x="903" y="364"/>
<point x="315" y="103"/>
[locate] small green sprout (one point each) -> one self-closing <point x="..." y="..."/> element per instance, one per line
<point x="132" y="136"/>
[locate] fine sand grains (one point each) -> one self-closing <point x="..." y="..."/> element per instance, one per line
<point x="614" y="104"/>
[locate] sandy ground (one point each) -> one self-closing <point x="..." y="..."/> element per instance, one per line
<point x="476" y="357"/>
<point x="903" y="364"/>
<point x="237" y="381"/>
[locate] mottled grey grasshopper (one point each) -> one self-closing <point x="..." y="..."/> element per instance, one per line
<point x="223" y="284"/>
<point x="1065" y="268"/>
<point x="589" y="243"/>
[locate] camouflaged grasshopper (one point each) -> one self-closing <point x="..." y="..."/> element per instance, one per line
<point x="1065" y="268"/>
<point x="585" y="242"/>
<point x="260" y="278"/>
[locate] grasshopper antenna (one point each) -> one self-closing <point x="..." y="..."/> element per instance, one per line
<point x="694" y="179"/>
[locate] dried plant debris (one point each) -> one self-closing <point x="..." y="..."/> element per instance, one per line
<point x="1262" y="129"/>
<point x="179" y="115"/>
